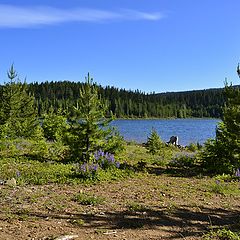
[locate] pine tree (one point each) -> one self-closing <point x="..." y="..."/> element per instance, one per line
<point x="222" y="155"/>
<point x="154" y="142"/>
<point x="88" y="127"/>
<point x="18" y="117"/>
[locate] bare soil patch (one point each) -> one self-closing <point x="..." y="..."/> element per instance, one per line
<point x="146" y="207"/>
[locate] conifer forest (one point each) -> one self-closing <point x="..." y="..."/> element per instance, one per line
<point x="132" y="104"/>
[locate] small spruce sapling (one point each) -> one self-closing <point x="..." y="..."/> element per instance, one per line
<point x="154" y="142"/>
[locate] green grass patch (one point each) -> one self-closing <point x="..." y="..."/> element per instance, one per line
<point x="221" y="234"/>
<point x="88" y="199"/>
<point x="136" y="207"/>
<point x="34" y="172"/>
<point x="224" y="188"/>
<point x="134" y="162"/>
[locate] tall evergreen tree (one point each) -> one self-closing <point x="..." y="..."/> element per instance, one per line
<point x="88" y="126"/>
<point x="222" y="155"/>
<point x="18" y="117"/>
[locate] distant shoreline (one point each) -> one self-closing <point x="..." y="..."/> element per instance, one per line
<point x="150" y="118"/>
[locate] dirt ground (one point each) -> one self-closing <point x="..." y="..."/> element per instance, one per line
<point x="150" y="206"/>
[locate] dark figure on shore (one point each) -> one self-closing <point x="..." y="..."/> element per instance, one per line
<point x="173" y="140"/>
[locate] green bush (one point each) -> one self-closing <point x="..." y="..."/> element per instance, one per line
<point x="194" y="147"/>
<point x="33" y="149"/>
<point x="23" y="147"/>
<point x="54" y="126"/>
<point x="114" y="142"/>
<point x="215" y="159"/>
<point x="28" y="171"/>
<point x="154" y="142"/>
<point x="181" y="160"/>
<point x="57" y="151"/>
<point x="224" y="177"/>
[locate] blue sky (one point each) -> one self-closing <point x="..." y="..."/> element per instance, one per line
<point x="150" y="45"/>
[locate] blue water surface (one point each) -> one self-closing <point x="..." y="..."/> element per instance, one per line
<point x="188" y="130"/>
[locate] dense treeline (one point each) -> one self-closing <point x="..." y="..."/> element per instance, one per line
<point x="132" y="104"/>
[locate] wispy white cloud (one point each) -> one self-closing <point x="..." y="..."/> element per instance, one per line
<point x="20" y="17"/>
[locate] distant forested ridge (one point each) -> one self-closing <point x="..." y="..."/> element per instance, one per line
<point x="131" y="104"/>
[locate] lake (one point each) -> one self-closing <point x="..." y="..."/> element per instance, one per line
<point x="188" y="130"/>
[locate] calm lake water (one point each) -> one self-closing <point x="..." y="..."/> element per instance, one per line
<point x="188" y="130"/>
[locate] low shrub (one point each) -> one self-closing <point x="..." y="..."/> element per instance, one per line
<point x="224" y="177"/>
<point x="194" y="147"/>
<point x="105" y="160"/>
<point x="86" y="171"/>
<point x="39" y="150"/>
<point x="100" y="161"/>
<point x="183" y="160"/>
<point x="216" y="160"/>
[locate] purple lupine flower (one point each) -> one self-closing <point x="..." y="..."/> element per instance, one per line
<point x="110" y="158"/>
<point x="117" y="164"/>
<point x="95" y="167"/>
<point x="90" y="167"/>
<point x="18" y="173"/>
<point x="101" y="153"/>
<point x="98" y="154"/>
<point x="83" y="167"/>
<point x="237" y="174"/>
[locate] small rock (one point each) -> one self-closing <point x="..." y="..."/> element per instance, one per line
<point x="110" y="232"/>
<point x="66" y="237"/>
<point x="2" y="182"/>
